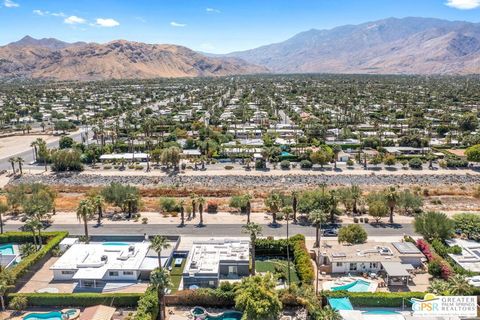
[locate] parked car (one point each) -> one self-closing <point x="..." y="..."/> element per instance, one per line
<point x="330" y="232"/>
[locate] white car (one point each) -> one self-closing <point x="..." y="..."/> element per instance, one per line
<point x="474" y="281"/>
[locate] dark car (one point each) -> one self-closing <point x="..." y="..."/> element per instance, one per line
<point x="330" y="233"/>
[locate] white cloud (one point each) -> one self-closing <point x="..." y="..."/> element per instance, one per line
<point x="10" y="4"/>
<point x="107" y="23"/>
<point x="463" y="4"/>
<point x="176" y="24"/>
<point x="48" y="13"/>
<point x="212" y="10"/>
<point x="74" y="20"/>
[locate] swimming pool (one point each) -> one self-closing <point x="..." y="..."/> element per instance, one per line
<point x="380" y="312"/>
<point x="228" y="315"/>
<point x="7" y="249"/>
<point x="54" y="315"/>
<point x="355" y="286"/>
<point x="115" y="244"/>
<point x="340" y="303"/>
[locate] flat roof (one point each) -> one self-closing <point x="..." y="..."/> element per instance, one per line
<point x="469" y="259"/>
<point x="397" y="269"/>
<point x="205" y="256"/>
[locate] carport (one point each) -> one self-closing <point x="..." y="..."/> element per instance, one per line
<point x="397" y="273"/>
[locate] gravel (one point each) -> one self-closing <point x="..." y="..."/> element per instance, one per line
<point x="253" y="181"/>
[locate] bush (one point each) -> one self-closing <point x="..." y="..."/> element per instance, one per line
<point x="285" y="164"/>
<point x="350" y="162"/>
<point x="228" y="167"/>
<point x="79" y="299"/>
<point x="147" y="306"/>
<point x="352" y="234"/>
<point x="66" y="160"/>
<point x="212" y="206"/>
<point x="169" y="205"/>
<point x="305" y="164"/>
<point x="415" y="163"/>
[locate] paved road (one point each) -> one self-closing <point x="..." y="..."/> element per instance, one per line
<point x="213" y="230"/>
<point x="27" y="155"/>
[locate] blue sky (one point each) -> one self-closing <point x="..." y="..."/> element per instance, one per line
<point x="218" y="26"/>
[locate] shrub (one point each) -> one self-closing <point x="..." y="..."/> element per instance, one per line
<point x="285" y="164"/>
<point x="212" y="206"/>
<point x="147" y="306"/>
<point x="169" y="205"/>
<point x="350" y="162"/>
<point x="228" y="167"/>
<point x="415" y="163"/>
<point x="352" y="234"/>
<point x="305" y="164"/>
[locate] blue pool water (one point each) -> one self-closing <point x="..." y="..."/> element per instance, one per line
<point x="355" y="286"/>
<point x="54" y="315"/>
<point x="340" y="303"/>
<point x="6" y="249"/>
<point x="380" y="311"/>
<point x="115" y="244"/>
<point x="228" y="315"/>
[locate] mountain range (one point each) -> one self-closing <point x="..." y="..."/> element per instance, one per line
<point x="389" y="46"/>
<point x="120" y="59"/>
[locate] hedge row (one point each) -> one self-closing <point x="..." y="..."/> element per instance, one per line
<point x="376" y="299"/>
<point x="52" y="240"/>
<point x="79" y="299"/>
<point x="147" y="306"/>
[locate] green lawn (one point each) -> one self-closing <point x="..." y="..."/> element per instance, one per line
<point x="271" y="264"/>
<point x="176" y="274"/>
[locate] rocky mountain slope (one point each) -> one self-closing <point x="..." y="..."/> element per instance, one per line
<point x="397" y="46"/>
<point x="54" y="59"/>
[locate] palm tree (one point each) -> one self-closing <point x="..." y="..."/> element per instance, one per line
<point x="356" y="194"/>
<point x="336" y="150"/>
<point x="194" y="205"/>
<point x="294" y="205"/>
<point x="20" y="162"/>
<point x="3" y="209"/>
<point x="158" y="244"/>
<point x="85" y="211"/>
<point x="317" y="217"/>
<point x="131" y="203"/>
<point x="274" y="203"/>
<point x="201" y="203"/>
<point x="327" y="313"/>
<point x="182" y="212"/>
<point x="458" y="286"/>
<point x="391" y="196"/>
<point x="254" y="230"/>
<point x="33" y="225"/>
<point x="12" y="163"/>
<point x="248" y="207"/>
<point x="160" y="281"/>
<point x="34" y="146"/>
<point x="98" y="203"/>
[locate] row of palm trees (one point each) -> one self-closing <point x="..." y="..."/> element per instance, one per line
<point x="16" y="160"/>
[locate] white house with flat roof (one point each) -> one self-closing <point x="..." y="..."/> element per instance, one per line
<point x="210" y="261"/>
<point x="469" y="258"/>
<point x="94" y="264"/>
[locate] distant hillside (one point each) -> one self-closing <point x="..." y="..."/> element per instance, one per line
<point x="54" y="59"/>
<point x="397" y="46"/>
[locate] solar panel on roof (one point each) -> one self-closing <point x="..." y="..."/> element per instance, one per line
<point x="339" y="255"/>
<point x="406" y="247"/>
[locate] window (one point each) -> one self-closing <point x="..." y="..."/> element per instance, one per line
<point x="353" y="266"/>
<point x="68" y="272"/>
<point x="113" y="273"/>
<point x="339" y="264"/>
<point x="232" y="270"/>
<point x="373" y="265"/>
<point x="211" y="283"/>
<point x="128" y="273"/>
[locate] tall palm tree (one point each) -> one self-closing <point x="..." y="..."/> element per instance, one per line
<point x="131" y="203"/>
<point x="12" y="163"/>
<point x="99" y="204"/>
<point x="391" y="196"/>
<point x="317" y="218"/>
<point x="274" y="203"/>
<point x="356" y="194"/>
<point x="85" y="212"/>
<point x="193" y="198"/>
<point x="160" y="280"/>
<point x="158" y="244"/>
<point x="248" y="206"/>
<point x="294" y="205"/>
<point x="201" y="203"/>
<point x="34" y="146"/>
<point x="33" y="225"/>
<point x="254" y="230"/>
<point x="20" y="162"/>
<point x="182" y="212"/>
<point x="3" y="209"/>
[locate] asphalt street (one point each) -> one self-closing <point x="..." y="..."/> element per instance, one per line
<point x="213" y="230"/>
